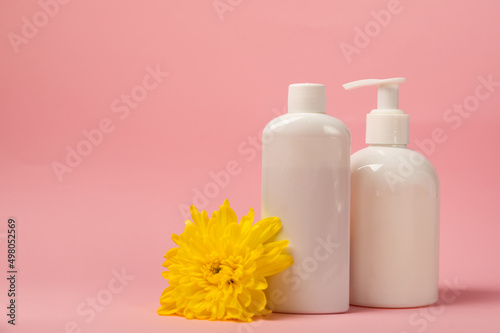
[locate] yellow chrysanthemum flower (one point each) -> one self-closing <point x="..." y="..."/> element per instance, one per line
<point x="219" y="270"/>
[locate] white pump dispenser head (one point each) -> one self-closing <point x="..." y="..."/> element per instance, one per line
<point x="386" y="124"/>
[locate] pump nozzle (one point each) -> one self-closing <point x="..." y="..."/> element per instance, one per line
<point x="386" y="124"/>
<point x="388" y="90"/>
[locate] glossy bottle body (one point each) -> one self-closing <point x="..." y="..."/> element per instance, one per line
<point x="394" y="228"/>
<point x="305" y="182"/>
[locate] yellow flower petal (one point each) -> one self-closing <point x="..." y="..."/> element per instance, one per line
<point x="282" y="262"/>
<point x="263" y="230"/>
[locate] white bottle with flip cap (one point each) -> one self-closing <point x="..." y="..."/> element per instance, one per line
<point x="394" y="211"/>
<point x="305" y="182"/>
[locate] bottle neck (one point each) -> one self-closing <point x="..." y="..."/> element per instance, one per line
<point x="387" y="145"/>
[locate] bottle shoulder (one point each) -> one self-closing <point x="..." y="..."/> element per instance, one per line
<point x="291" y="124"/>
<point x="380" y="160"/>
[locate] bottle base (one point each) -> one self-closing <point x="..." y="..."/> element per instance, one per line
<point x="393" y="306"/>
<point x="314" y="312"/>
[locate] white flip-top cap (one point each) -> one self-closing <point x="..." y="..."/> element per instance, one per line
<point x="307" y="97"/>
<point x="386" y="124"/>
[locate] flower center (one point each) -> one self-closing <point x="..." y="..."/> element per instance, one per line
<point x="221" y="272"/>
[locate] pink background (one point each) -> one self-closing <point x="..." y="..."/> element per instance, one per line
<point x="227" y="77"/>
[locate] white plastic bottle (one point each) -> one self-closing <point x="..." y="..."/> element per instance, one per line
<point x="305" y="182"/>
<point x="394" y="211"/>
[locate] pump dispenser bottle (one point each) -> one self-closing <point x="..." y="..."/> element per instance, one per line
<point x="394" y="211"/>
<point x="305" y="182"/>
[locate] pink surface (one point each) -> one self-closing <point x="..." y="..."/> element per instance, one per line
<point x="157" y="140"/>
